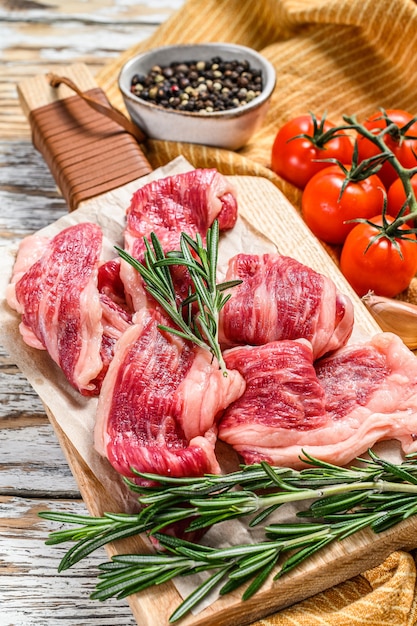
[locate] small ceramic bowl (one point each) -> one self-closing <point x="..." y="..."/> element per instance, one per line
<point x="229" y="129"/>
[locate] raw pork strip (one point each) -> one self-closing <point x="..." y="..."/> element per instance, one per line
<point x="370" y="394"/>
<point x="160" y="401"/>
<point x="187" y="203"/>
<point x="280" y="298"/>
<point x="58" y="299"/>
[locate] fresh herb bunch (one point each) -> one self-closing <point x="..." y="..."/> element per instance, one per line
<point x="200" y="327"/>
<point x="376" y="494"/>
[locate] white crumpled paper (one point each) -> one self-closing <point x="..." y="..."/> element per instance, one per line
<point x="75" y="414"/>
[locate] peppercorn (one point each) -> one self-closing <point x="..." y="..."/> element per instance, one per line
<point x="203" y="86"/>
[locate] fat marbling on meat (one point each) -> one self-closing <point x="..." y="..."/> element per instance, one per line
<point x="54" y="288"/>
<point x="160" y="401"/>
<point x="116" y="313"/>
<point x="188" y="203"/>
<point x="281" y="298"/>
<point x="333" y="409"/>
<point x="71" y="303"/>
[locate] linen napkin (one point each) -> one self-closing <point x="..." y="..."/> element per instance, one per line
<point x="333" y="56"/>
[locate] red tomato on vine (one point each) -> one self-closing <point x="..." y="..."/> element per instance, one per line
<point x="301" y="141"/>
<point x="333" y="197"/>
<point x="401" y="140"/>
<point x="378" y="262"/>
<point x="396" y="196"/>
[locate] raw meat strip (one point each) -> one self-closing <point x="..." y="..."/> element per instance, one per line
<point x="370" y="395"/>
<point x="280" y="298"/>
<point x="187" y="203"/>
<point x="377" y="382"/>
<point x="160" y="401"/>
<point x="283" y="396"/>
<point x="110" y="284"/>
<point x="31" y="249"/>
<point x="116" y="315"/>
<point x="58" y="299"/>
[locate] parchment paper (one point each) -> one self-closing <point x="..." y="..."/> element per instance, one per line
<point x="74" y="413"/>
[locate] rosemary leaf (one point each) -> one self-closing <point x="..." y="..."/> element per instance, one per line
<point x="233" y="583"/>
<point x="73" y="518"/>
<point x="302" y="555"/>
<point x="201" y="592"/>
<point x="200" y="327"/>
<point x="257" y="583"/>
<point x="85" y="547"/>
<point x="254" y="563"/>
<point x="262" y="516"/>
<point x="338" y="502"/>
<point x="398" y="471"/>
<point x="326" y="506"/>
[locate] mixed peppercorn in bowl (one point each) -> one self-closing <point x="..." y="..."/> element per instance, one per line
<point x="216" y="94"/>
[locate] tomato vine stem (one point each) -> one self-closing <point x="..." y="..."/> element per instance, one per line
<point x="405" y="174"/>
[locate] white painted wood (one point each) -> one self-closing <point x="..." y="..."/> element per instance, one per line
<point x="33" y="464"/>
<point x="31" y="590"/>
<point x="29" y="198"/>
<point x="36" y="36"/>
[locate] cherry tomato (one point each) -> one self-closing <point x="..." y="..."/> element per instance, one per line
<point x="404" y="149"/>
<point x="326" y="211"/>
<point x="381" y="269"/>
<point x="396" y="197"/>
<point x="294" y="159"/>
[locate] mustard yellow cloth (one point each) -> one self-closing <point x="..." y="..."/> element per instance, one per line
<point x="339" y="56"/>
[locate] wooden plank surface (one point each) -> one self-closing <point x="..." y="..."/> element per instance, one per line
<point x="31" y="591"/>
<point x="35" y="37"/>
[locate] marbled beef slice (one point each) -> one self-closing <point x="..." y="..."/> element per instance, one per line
<point x="160" y="401"/>
<point x="189" y="203"/>
<point x="57" y="296"/>
<point x="333" y="409"/>
<point x="280" y="298"/>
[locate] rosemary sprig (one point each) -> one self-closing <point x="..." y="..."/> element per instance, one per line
<point x="200" y="327"/>
<point x="253" y="563"/>
<point x="376" y="494"/>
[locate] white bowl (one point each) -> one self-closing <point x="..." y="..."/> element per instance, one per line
<point x="225" y="129"/>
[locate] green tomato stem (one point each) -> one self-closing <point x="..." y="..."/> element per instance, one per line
<point x="404" y="173"/>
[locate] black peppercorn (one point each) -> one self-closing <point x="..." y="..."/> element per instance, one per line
<point x="204" y="86"/>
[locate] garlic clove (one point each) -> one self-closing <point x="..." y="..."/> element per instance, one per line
<point x="394" y="316"/>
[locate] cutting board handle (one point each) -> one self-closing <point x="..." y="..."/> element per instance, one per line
<point x="108" y="110"/>
<point x="90" y="147"/>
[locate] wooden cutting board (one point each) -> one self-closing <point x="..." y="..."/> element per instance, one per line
<point x="265" y="207"/>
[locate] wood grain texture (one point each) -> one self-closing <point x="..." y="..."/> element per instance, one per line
<point x="31" y="591"/>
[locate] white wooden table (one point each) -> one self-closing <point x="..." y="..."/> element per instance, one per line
<point x="34" y="37"/>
